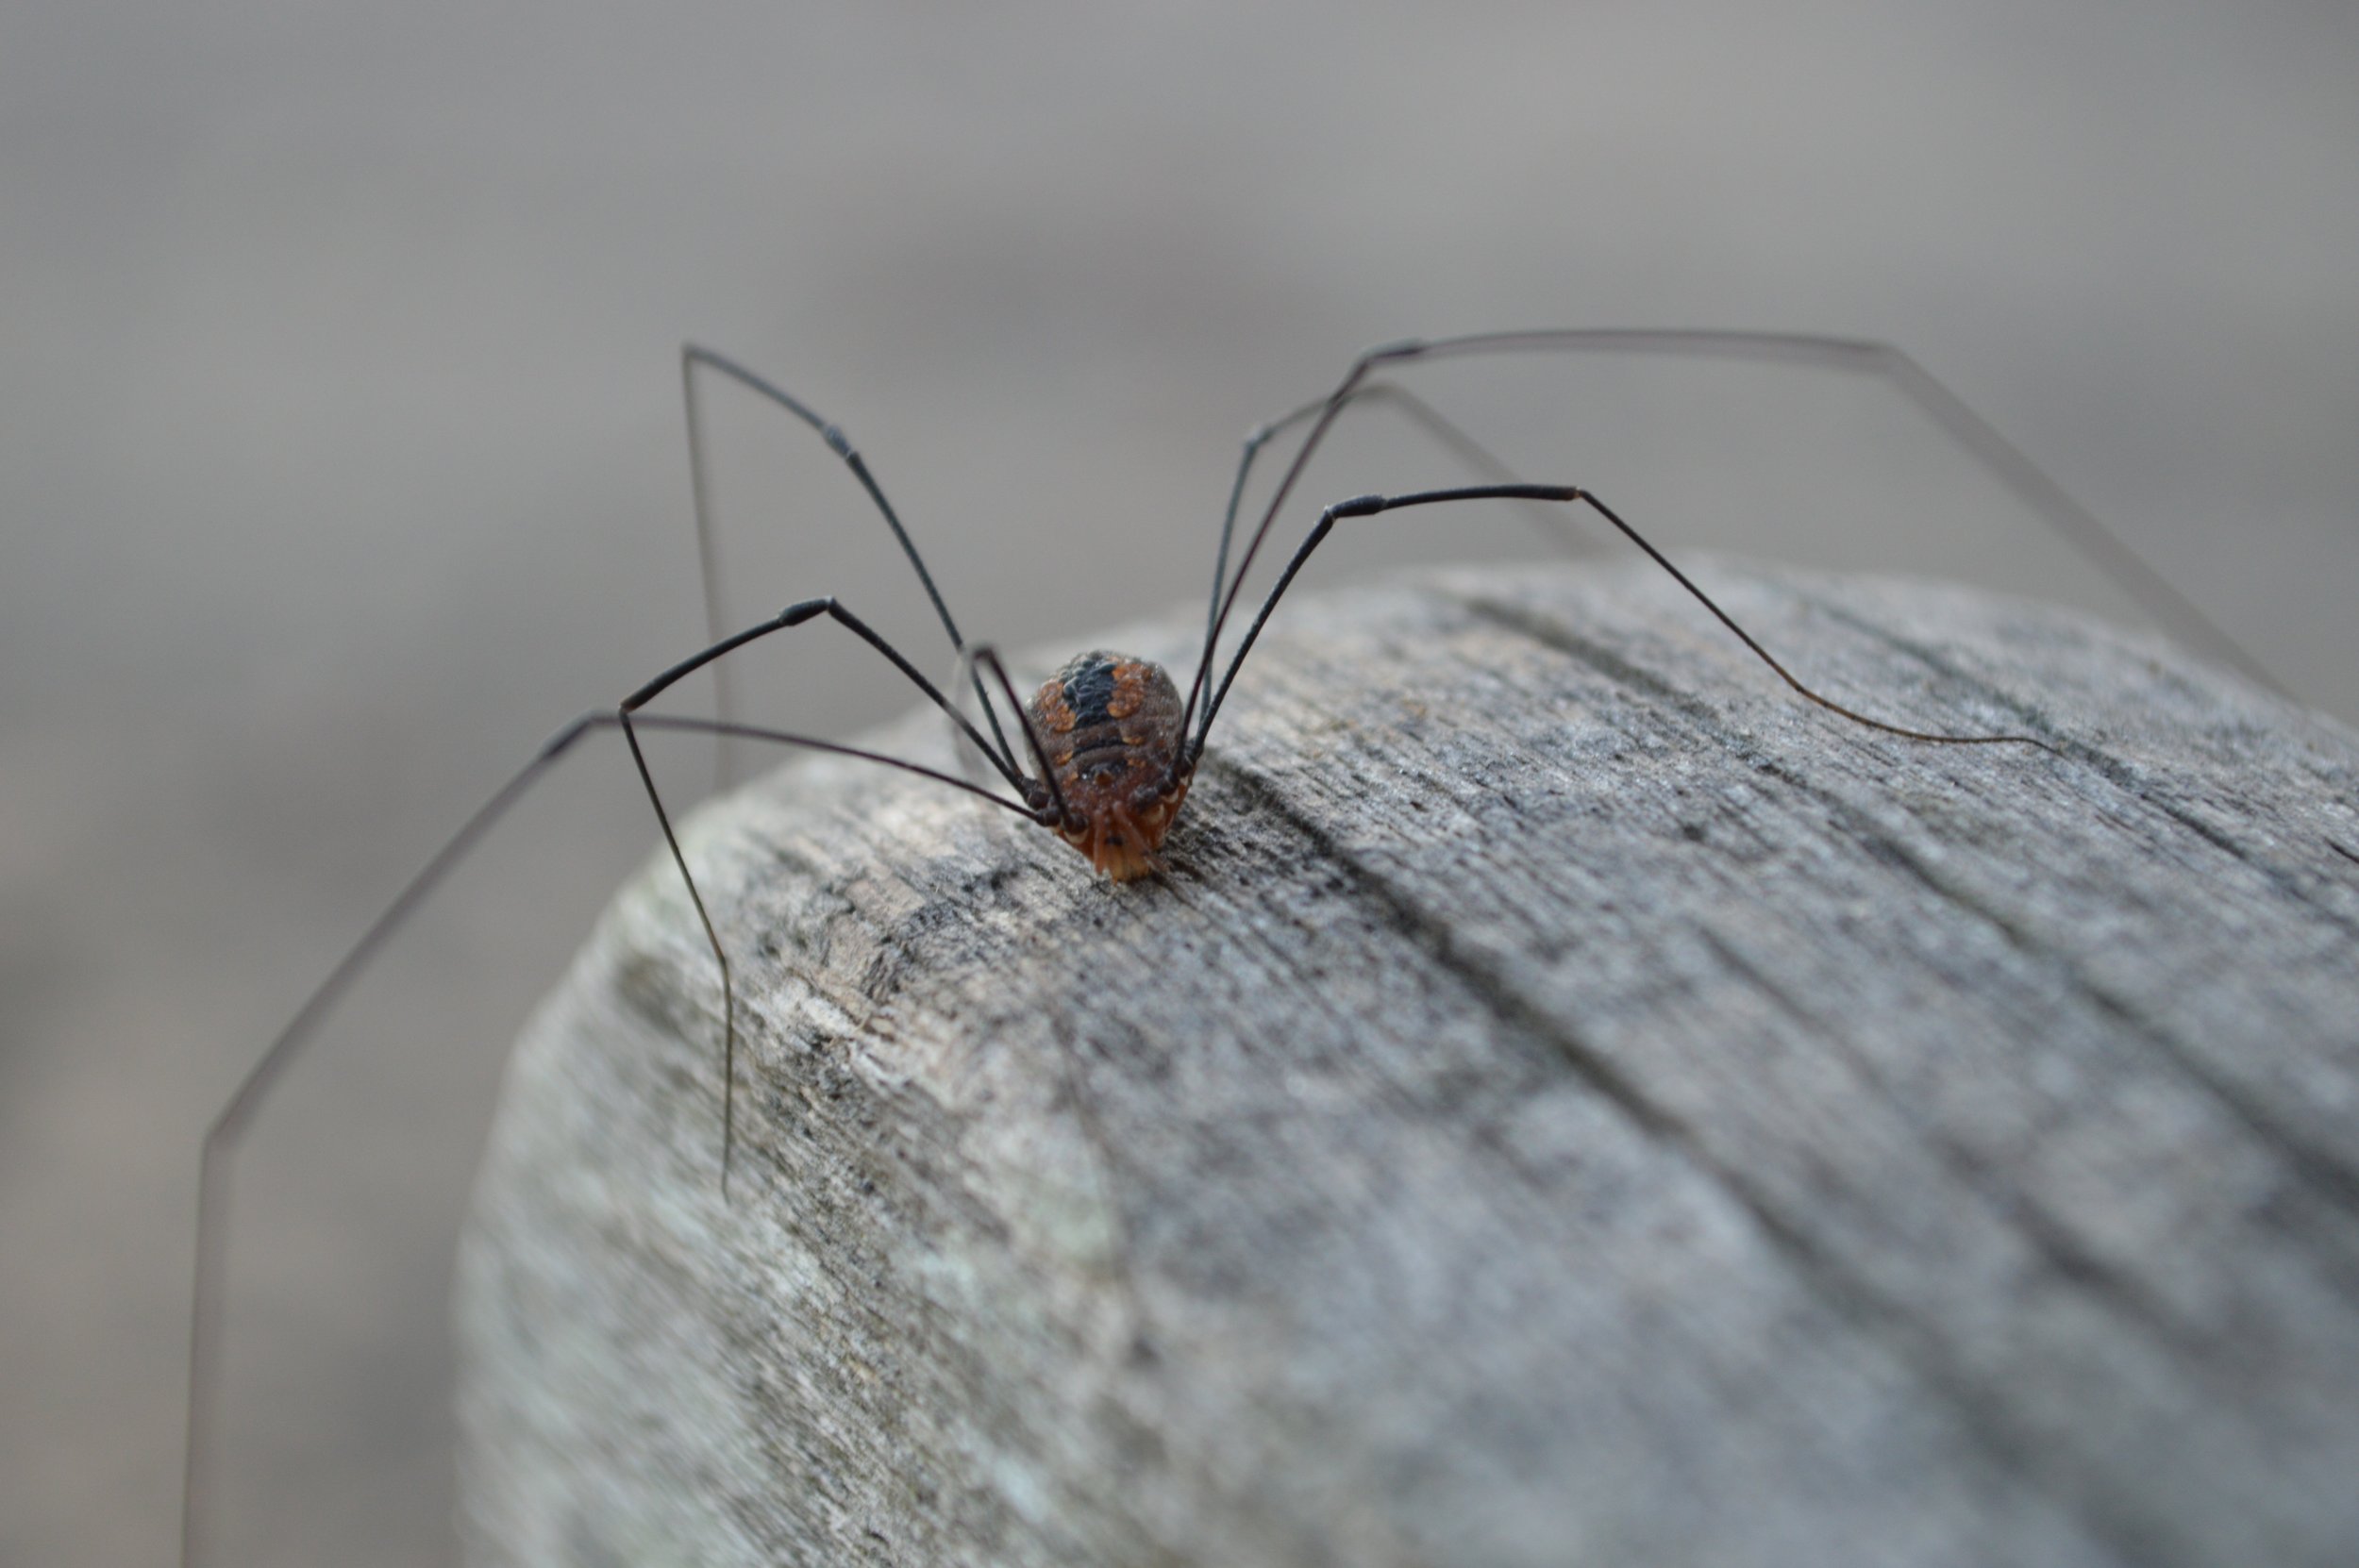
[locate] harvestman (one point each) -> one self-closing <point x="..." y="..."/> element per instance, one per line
<point x="1114" y="740"/>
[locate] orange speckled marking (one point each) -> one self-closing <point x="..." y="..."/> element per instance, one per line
<point x="1130" y="681"/>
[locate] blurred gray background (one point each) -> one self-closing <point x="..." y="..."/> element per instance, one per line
<point x="341" y="461"/>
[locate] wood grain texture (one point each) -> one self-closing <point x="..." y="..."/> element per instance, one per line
<point x="1570" y="1102"/>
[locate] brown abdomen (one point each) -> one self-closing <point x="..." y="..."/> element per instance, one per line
<point x="1110" y="727"/>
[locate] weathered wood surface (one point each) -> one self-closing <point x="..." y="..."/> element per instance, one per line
<point x="1570" y="1103"/>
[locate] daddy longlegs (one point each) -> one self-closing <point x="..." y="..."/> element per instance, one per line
<point x="1111" y="742"/>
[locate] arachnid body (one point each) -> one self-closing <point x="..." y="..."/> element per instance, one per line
<point x="1104" y="754"/>
<point x="1111" y="725"/>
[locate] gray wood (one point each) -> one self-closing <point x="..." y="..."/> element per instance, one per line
<point x="1570" y="1103"/>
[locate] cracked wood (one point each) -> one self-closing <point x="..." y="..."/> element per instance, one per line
<point x="1570" y="1102"/>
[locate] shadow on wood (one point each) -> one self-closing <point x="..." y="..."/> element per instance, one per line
<point x="1570" y="1102"/>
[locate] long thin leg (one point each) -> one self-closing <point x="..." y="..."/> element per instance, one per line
<point x="795" y="615"/>
<point x="630" y="723"/>
<point x="2072" y="520"/>
<point x="708" y="560"/>
<point x="1369" y="505"/>
<point x="229" y="1129"/>
<point x="694" y="358"/>
<point x="986" y="654"/>
<point x="1468" y="451"/>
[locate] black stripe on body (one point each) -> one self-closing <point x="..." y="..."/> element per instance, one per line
<point x="1089" y="688"/>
